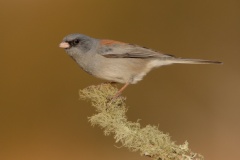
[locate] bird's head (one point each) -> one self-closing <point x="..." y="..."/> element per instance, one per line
<point x="77" y="44"/>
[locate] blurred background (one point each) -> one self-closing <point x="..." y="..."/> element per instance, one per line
<point x="41" y="116"/>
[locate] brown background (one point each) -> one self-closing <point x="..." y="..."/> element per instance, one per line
<point x="41" y="116"/>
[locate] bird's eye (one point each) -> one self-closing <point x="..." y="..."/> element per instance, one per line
<point x="75" y="42"/>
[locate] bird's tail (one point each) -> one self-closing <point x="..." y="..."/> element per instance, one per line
<point x="194" y="61"/>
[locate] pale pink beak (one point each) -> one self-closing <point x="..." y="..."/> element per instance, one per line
<point x="64" y="45"/>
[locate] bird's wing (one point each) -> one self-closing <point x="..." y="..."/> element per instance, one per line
<point x="115" y="49"/>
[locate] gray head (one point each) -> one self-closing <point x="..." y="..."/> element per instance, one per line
<point x="77" y="43"/>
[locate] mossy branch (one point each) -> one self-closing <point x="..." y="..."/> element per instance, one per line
<point x="149" y="141"/>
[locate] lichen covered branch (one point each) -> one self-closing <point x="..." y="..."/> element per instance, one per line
<point x="149" y="141"/>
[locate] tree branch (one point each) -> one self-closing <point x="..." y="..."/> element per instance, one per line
<point x="148" y="140"/>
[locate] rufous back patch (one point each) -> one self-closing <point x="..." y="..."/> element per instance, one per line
<point x="109" y="42"/>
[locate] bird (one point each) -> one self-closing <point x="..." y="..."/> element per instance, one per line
<point x="117" y="61"/>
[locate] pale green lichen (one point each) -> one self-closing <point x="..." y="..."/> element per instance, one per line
<point x="149" y="141"/>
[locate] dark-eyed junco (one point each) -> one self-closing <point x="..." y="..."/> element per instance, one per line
<point x="117" y="61"/>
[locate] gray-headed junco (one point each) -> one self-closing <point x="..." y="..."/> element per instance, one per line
<point x="117" y="61"/>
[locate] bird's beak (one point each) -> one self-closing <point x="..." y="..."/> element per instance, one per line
<point x="64" y="45"/>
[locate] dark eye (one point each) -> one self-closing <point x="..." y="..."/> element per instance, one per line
<point x="75" y="42"/>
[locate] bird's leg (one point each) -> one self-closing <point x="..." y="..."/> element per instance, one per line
<point x="120" y="90"/>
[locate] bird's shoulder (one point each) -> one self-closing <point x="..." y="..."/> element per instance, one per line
<point x="116" y="49"/>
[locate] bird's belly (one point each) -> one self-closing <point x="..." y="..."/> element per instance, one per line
<point x="120" y="70"/>
<point x="113" y="75"/>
